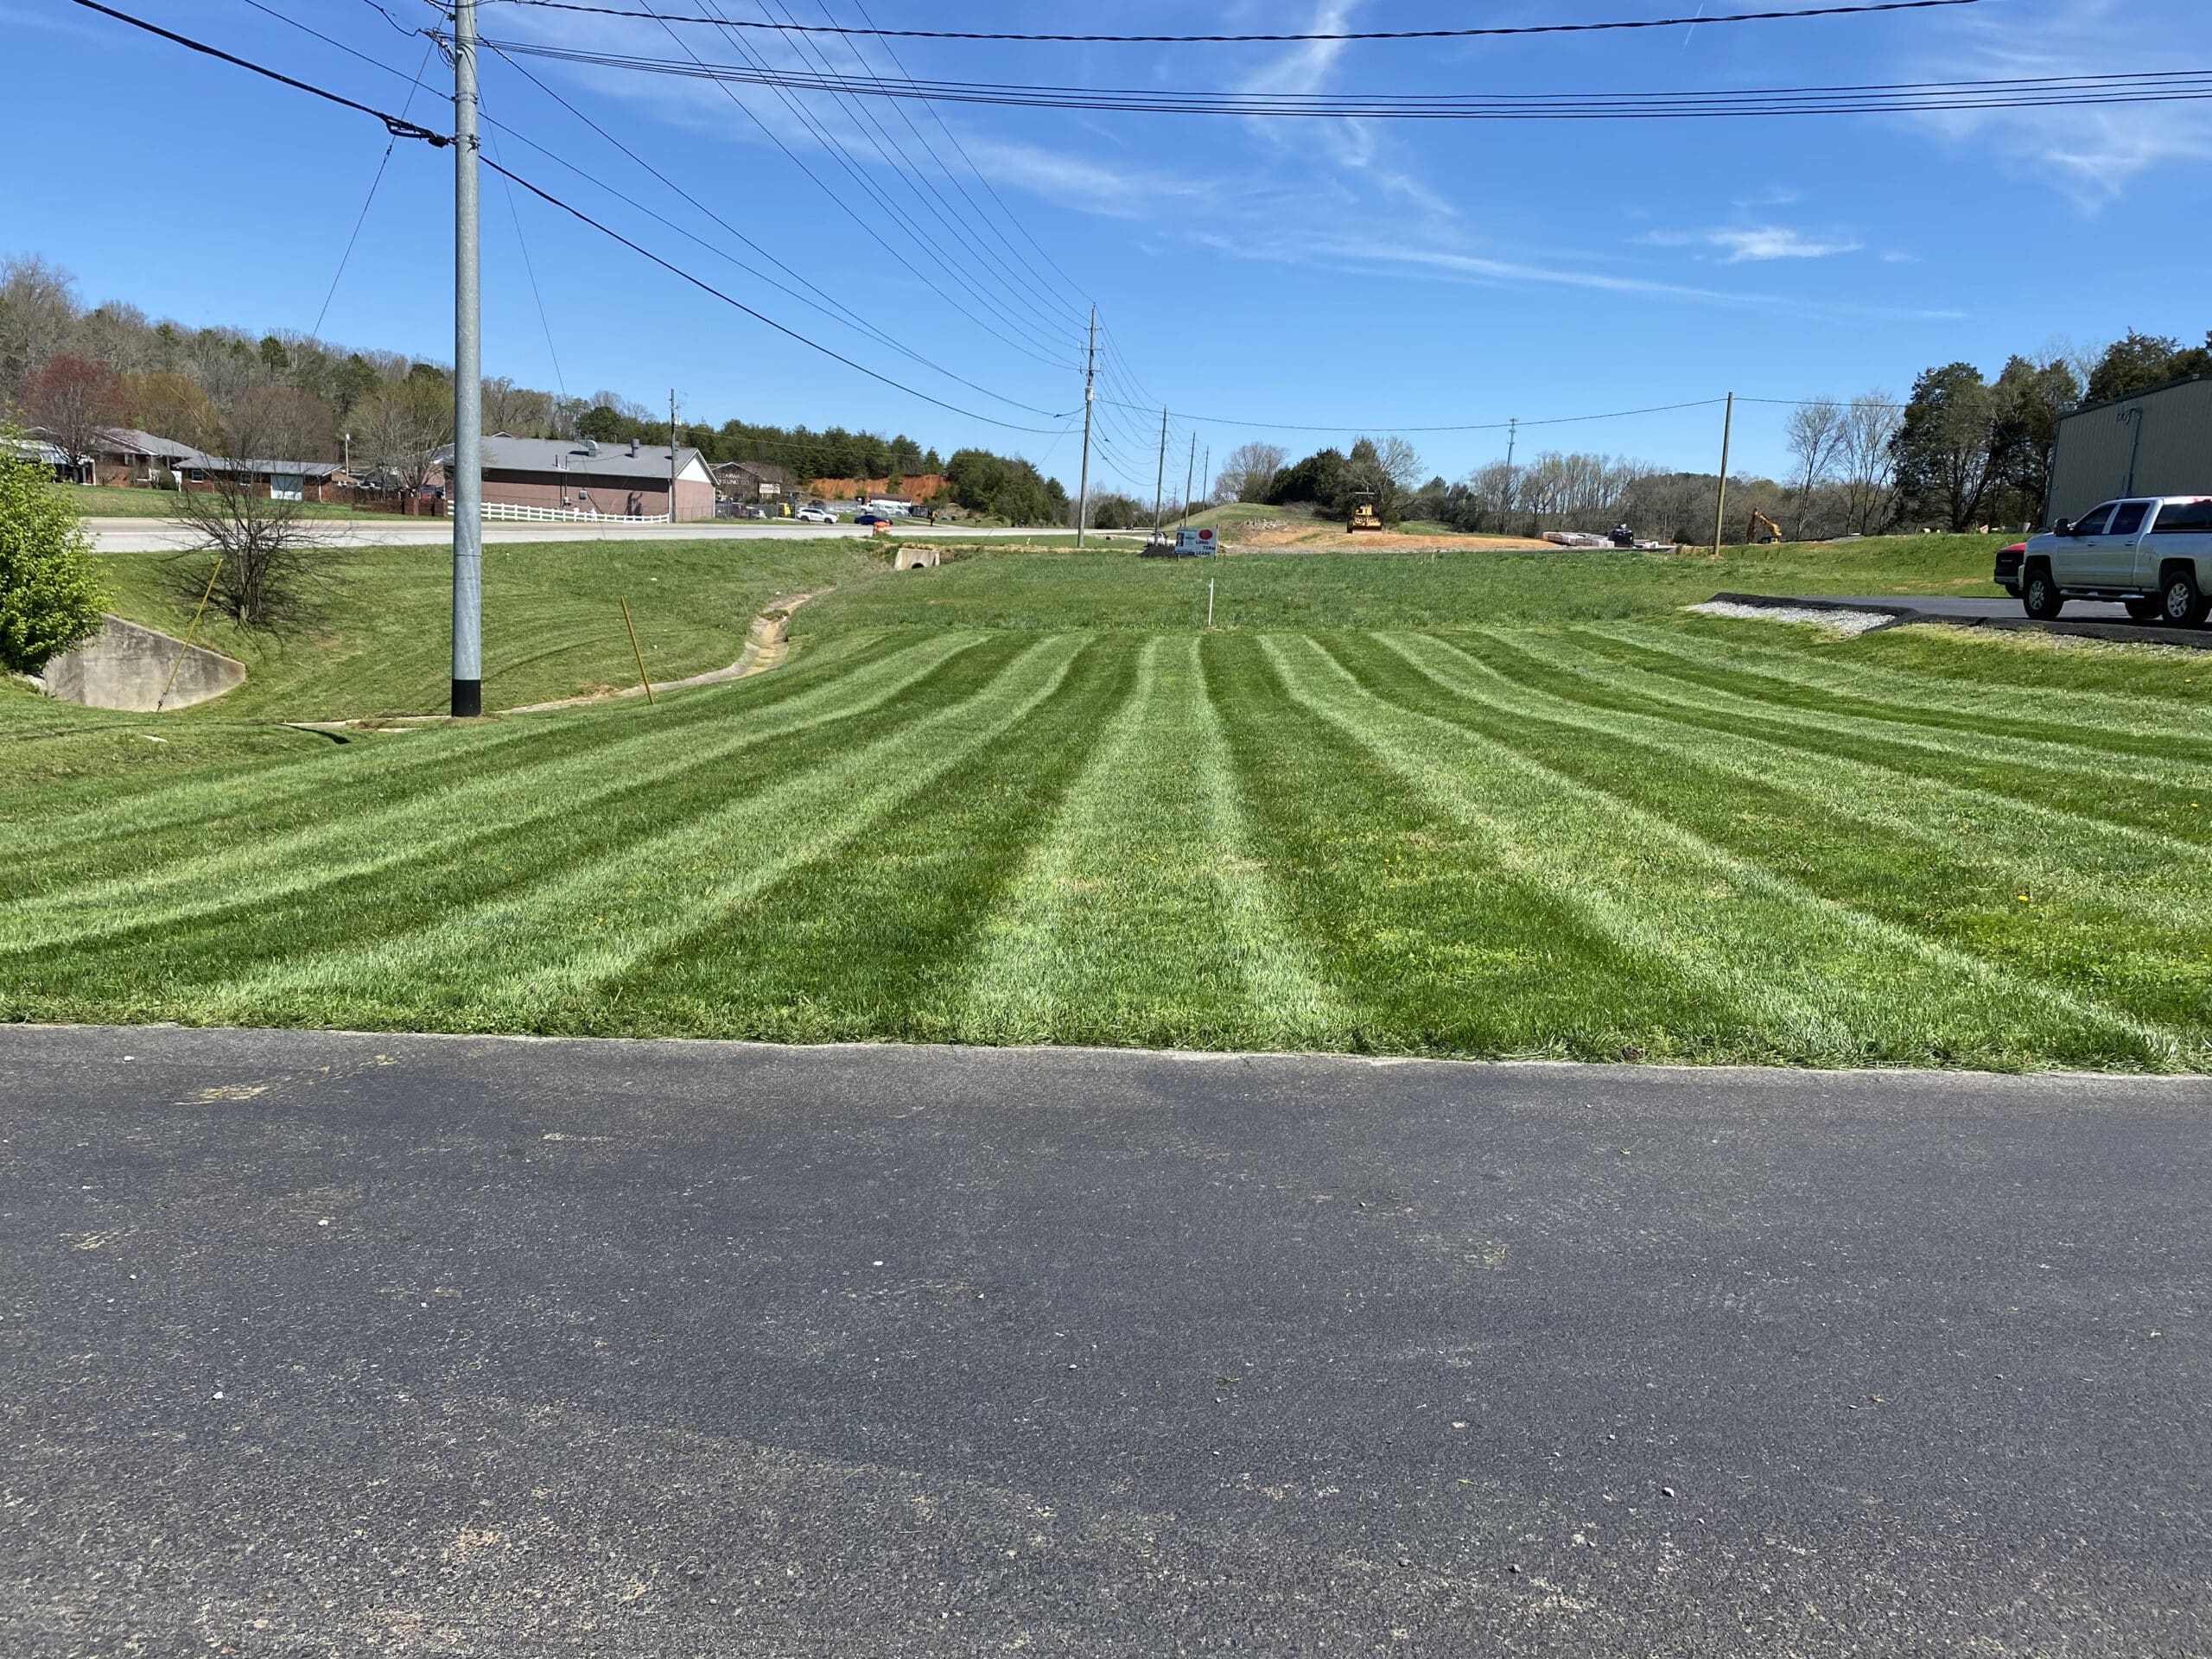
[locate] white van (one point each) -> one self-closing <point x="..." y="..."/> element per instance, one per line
<point x="2154" y="554"/>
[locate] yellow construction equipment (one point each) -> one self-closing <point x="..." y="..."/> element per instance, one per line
<point x="1773" y="532"/>
<point x="1363" y="515"/>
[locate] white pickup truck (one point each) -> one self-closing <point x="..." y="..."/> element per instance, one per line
<point x="2153" y="554"/>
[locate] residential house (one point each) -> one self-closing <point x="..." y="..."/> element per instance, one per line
<point x="613" y="481"/>
<point x="752" y="481"/>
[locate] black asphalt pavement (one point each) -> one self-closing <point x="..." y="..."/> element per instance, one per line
<point x="331" y="1345"/>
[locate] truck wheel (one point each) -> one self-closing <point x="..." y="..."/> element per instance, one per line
<point x="2039" y="595"/>
<point x="2180" y="604"/>
<point x="2144" y="610"/>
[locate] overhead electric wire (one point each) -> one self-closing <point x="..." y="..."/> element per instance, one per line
<point x="1901" y="98"/>
<point x="1863" y="8"/>
<point x="393" y="125"/>
<point x="1476" y="426"/>
<point x="892" y="52"/>
<point x="705" y="287"/>
<point x="881" y="140"/>
<point x="846" y="208"/>
<point x="1015" y="276"/>
<point x="368" y="200"/>
<point x="828" y="305"/>
<point x="856" y="169"/>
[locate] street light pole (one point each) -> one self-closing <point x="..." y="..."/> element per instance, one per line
<point x="465" y="480"/>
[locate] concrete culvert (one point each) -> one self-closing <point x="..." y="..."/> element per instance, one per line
<point x="127" y="666"/>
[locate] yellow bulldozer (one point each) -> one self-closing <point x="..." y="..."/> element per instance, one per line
<point x="1763" y="529"/>
<point x="1363" y="515"/>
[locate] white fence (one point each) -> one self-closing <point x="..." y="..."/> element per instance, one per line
<point x="501" y="510"/>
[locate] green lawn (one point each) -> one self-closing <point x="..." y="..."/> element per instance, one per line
<point x="100" y="502"/>
<point x="1481" y="805"/>
<point x="382" y="643"/>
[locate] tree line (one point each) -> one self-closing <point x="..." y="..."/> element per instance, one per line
<point x="1961" y="451"/>
<point x="70" y="371"/>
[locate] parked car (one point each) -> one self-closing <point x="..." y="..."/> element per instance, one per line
<point x="817" y="515"/>
<point x="871" y="518"/>
<point x="2152" y="554"/>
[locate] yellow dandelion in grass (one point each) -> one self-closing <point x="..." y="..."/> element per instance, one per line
<point x="2022" y="897"/>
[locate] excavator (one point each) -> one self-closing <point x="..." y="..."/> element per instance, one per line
<point x="1363" y="515"/>
<point x="1763" y="529"/>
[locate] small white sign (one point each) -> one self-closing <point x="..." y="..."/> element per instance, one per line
<point x="1190" y="541"/>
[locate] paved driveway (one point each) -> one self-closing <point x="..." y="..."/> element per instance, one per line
<point x="318" y="1344"/>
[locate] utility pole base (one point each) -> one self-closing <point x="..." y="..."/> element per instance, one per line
<point x="468" y="699"/>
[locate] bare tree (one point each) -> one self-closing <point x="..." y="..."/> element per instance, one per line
<point x="71" y="398"/>
<point x="1815" y="431"/>
<point x="401" y="430"/>
<point x="273" y="556"/>
<point x="1868" y="470"/>
<point x="38" y="310"/>
<point x="1251" y="468"/>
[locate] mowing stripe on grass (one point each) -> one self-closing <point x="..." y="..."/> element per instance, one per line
<point x="426" y="824"/>
<point x="1833" y="983"/>
<point x="510" y="962"/>
<point x="2089" y="882"/>
<point x="873" y="939"/>
<point x="322" y="782"/>
<point x="1426" y="934"/>
<point x="2024" y="770"/>
<point x="1815" y="676"/>
<point x="1139" y="917"/>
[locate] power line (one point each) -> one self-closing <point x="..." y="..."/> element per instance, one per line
<point x="828" y="306"/>
<point x="1904" y="97"/>
<point x="843" y="205"/>
<point x="368" y="201"/>
<point x="1478" y="426"/>
<point x="1872" y="6"/>
<point x="757" y="316"/>
<point x="393" y="125"/>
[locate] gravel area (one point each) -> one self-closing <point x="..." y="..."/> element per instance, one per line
<point x="1845" y="622"/>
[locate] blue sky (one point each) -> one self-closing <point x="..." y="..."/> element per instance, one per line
<point x="1389" y="276"/>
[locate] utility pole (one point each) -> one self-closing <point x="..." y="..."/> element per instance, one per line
<point x="1512" y="489"/>
<point x="1190" y="471"/>
<point x="1720" y="513"/>
<point x="1160" y="484"/>
<point x="464" y="491"/>
<point x="672" y="454"/>
<point x="1207" y="493"/>
<point x="1089" y="369"/>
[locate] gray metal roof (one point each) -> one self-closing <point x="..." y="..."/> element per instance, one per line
<point x="129" y="439"/>
<point x="579" y="457"/>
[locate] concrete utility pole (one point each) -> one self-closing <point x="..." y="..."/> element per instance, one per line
<point x="1720" y="513"/>
<point x="1190" y="471"/>
<point x="672" y="454"/>
<point x="465" y="482"/>
<point x="1160" y="484"/>
<point x="1089" y="369"/>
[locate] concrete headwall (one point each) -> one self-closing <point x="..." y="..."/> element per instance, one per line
<point x="127" y="666"/>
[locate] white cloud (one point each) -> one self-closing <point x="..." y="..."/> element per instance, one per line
<point x="1756" y="243"/>
<point x="1466" y="265"/>
<point x="2090" y="154"/>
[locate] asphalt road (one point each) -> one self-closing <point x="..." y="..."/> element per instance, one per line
<point x="329" y="1345"/>
<point x="165" y="536"/>
<point x="2077" y="610"/>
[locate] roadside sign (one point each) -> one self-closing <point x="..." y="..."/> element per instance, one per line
<point x="1190" y="543"/>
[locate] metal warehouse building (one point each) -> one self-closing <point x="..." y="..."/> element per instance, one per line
<point x="2156" y="442"/>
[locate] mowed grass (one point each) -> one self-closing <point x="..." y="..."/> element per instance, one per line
<point x="379" y="639"/>
<point x="1026" y="799"/>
